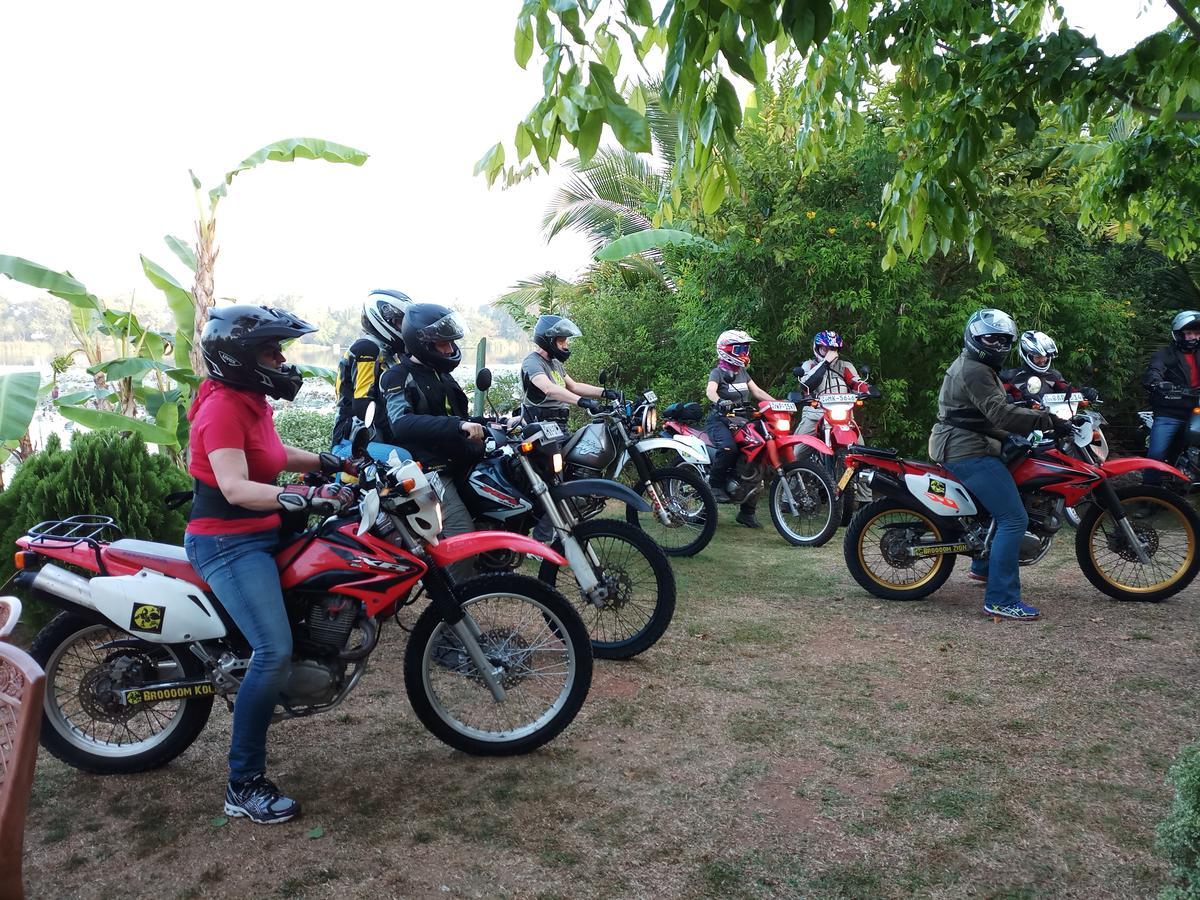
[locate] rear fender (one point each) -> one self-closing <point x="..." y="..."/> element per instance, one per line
<point x="1124" y="464"/>
<point x="598" y="487"/>
<point x="463" y="546"/>
<point x="685" y="449"/>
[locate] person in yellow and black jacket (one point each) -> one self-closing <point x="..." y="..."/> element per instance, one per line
<point x="364" y="363"/>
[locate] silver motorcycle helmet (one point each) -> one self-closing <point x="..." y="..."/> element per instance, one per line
<point x="1034" y="344"/>
<point x="1188" y="319"/>
<point x="989" y="336"/>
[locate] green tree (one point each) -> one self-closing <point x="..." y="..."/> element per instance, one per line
<point x="968" y="78"/>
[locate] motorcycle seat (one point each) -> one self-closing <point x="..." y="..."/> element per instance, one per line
<point x="881" y="452"/>
<point x="169" y="559"/>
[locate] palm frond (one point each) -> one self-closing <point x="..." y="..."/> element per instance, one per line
<point x="538" y="295"/>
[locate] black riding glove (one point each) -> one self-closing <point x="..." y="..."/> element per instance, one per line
<point x="1090" y="394"/>
<point x="610" y="394"/>
<point x="326" y="500"/>
<point x="1165" y="387"/>
<point x="1062" y="428"/>
<point x="725" y="406"/>
<point x="332" y="464"/>
<point x="589" y="404"/>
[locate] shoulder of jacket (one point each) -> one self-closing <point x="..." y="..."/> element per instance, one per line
<point x="396" y="377"/>
<point x="365" y="347"/>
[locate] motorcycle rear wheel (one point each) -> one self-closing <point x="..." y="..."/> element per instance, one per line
<point x="640" y="573"/>
<point x="1161" y="519"/>
<point x="81" y="723"/>
<point x="532" y="634"/>
<point x="691" y="507"/>
<point x="871" y="548"/>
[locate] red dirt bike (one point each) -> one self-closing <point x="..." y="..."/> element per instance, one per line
<point x="838" y="431"/>
<point x="904" y="546"/>
<point x="801" y="495"/>
<point x="496" y="665"/>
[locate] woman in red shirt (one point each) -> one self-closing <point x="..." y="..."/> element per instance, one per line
<point x="233" y="532"/>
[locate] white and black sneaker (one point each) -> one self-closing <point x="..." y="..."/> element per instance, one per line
<point x="259" y="800"/>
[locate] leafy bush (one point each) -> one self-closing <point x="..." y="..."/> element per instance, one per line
<point x="103" y="473"/>
<point x="306" y="428"/>
<point x="1179" y="832"/>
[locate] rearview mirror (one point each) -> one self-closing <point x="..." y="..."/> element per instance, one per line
<point x="866" y="371"/>
<point x="483" y="379"/>
<point x="798" y="371"/>
<point x="369" y="415"/>
<point x="603" y="377"/>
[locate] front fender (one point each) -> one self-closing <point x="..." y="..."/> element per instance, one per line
<point x="598" y="487"/>
<point x="787" y="441"/>
<point x="462" y="546"/>
<point x="1123" y="465"/>
<point x="689" y="454"/>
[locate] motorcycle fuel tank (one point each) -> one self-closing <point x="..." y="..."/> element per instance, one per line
<point x="592" y="448"/>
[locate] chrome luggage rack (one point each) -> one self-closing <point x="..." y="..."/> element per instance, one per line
<point x="76" y="530"/>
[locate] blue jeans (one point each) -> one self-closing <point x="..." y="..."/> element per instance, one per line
<point x="1163" y="437"/>
<point x="240" y="568"/>
<point x="377" y="451"/>
<point x="989" y="480"/>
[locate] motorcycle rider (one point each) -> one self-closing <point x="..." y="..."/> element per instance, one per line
<point x="1172" y="368"/>
<point x="549" y="390"/>
<point x="427" y="410"/>
<point x="380" y="347"/>
<point x="233" y="530"/>
<point x="974" y="417"/>
<point x="825" y="373"/>
<point x="729" y="385"/>
<point x="1037" y="351"/>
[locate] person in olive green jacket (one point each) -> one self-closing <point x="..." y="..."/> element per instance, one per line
<point x="974" y="417"/>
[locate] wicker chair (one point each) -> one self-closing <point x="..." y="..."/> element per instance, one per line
<point x="10" y="611"/>
<point x="22" y="686"/>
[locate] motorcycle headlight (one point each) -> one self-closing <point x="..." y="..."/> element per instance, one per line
<point x="558" y="462"/>
<point x="650" y="420"/>
<point x="783" y="424"/>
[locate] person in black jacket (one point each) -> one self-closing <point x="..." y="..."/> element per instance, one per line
<point x="427" y="409"/>
<point x="1173" y="368"/>
<point x="1037" y="350"/>
<point x="362" y="366"/>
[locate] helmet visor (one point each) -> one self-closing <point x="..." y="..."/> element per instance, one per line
<point x="447" y="328"/>
<point x="740" y="349"/>
<point x="999" y="342"/>
<point x="563" y="328"/>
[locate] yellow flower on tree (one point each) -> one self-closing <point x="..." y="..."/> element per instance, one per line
<point x="811" y="214"/>
<point x="871" y="224"/>
<point x="831" y="230"/>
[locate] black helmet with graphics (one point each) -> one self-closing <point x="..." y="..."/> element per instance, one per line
<point x="383" y="317"/>
<point x="989" y="336"/>
<point x="232" y="343"/>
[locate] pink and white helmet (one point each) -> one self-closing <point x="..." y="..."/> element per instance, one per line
<point x="733" y="348"/>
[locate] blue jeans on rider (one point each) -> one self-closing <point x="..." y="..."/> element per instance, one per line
<point x="376" y="450"/>
<point x="989" y="480"/>
<point x="240" y="568"/>
<point x="1163" y="437"/>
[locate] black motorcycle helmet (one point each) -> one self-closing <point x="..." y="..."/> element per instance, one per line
<point x="383" y="317"/>
<point x="989" y="336"/>
<point x="425" y="324"/>
<point x="233" y="338"/>
<point x="547" y="331"/>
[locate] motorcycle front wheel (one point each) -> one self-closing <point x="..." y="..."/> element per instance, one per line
<point x="531" y="634"/>
<point x="1167" y="527"/>
<point x="689" y="506"/>
<point x="641" y="601"/>
<point x="817" y="511"/>
<point x="83" y="722"/>
<point x="877" y="553"/>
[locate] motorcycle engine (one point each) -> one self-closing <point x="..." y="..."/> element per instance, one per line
<point x="1045" y="512"/>
<point x="313" y="682"/>
<point x="745" y="481"/>
<point x="317" y="673"/>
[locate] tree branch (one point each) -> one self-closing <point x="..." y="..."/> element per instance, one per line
<point x="1186" y="17"/>
<point x="1153" y="111"/>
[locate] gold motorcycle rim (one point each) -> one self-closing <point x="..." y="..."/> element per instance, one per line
<point x="1172" y="549"/>
<point x="882" y="572"/>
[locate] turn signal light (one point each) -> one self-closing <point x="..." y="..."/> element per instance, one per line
<point x="858" y="403"/>
<point x="527" y="447"/>
<point x="408" y="484"/>
<point x="21" y="559"/>
<point x="1196" y="409"/>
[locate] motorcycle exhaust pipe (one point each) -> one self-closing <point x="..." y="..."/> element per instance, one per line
<point x="58" y="582"/>
<point x="878" y="480"/>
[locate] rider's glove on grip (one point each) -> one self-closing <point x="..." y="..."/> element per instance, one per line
<point x="725" y="406"/>
<point x="610" y="394"/>
<point x="326" y="500"/>
<point x="332" y="464"/>
<point x="589" y="404"/>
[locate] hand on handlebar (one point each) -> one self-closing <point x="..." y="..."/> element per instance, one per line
<point x="1062" y="428"/>
<point x="1166" y="387"/>
<point x="725" y="407"/>
<point x="610" y="394"/>
<point x="328" y="499"/>
<point x="1090" y="394"/>
<point x="473" y="431"/>
<point x="332" y="464"/>
<point x="588" y="403"/>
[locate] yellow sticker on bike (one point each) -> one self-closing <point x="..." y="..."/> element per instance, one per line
<point x="845" y="479"/>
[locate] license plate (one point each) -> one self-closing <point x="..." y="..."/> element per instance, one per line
<point x="845" y="479"/>
<point x="1047" y="399"/>
<point x="838" y="398"/>
<point x="782" y="406"/>
<point x="435" y="482"/>
<point x="651" y="397"/>
<point x="551" y="430"/>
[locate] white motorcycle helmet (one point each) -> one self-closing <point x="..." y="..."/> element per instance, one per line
<point x="1034" y="344"/>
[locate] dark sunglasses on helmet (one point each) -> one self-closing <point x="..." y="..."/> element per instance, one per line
<point x="997" y="341"/>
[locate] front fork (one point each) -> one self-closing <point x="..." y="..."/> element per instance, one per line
<point x="1106" y="496"/>
<point x="583" y="561"/>
<point x="443" y="597"/>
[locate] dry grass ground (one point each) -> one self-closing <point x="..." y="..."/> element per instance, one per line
<point x="790" y="737"/>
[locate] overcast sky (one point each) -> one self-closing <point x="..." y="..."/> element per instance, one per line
<point x="106" y="107"/>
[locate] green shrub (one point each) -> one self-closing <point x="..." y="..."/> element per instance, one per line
<point x="306" y="428"/>
<point x="103" y="473"/>
<point x="1179" y="832"/>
